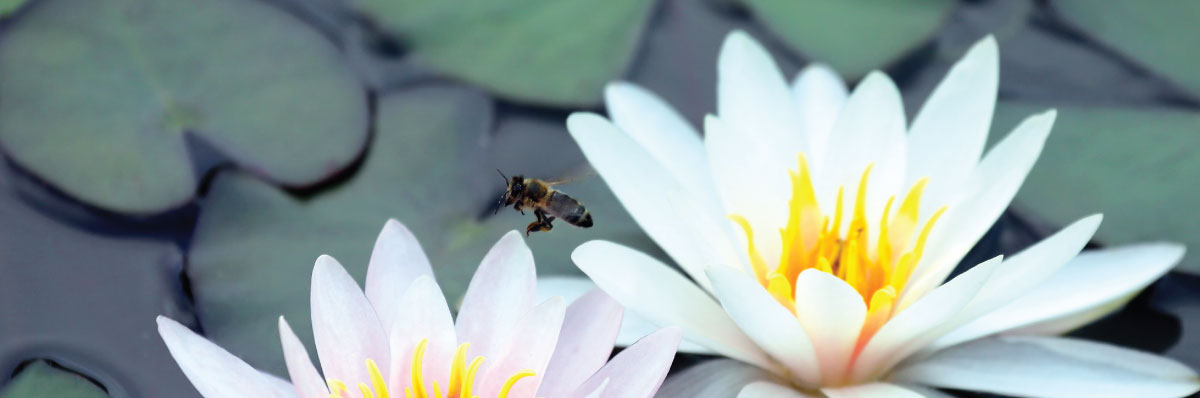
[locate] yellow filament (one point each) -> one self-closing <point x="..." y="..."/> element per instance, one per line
<point x="878" y="269"/>
<point x="377" y="379"/>
<point x="418" y="377"/>
<point x="457" y="366"/>
<point x="469" y="382"/>
<point x="366" y="390"/>
<point x="508" y="384"/>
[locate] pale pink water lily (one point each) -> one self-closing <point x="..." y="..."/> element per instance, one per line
<point x="399" y="340"/>
<point x="818" y="228"/>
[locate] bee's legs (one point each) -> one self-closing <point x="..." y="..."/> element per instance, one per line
<point x="542" y="223"/>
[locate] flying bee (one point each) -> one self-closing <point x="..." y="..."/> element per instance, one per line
<point x="547" y="203"/>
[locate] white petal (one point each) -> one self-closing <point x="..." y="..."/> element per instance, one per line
<point x="425" y="316"/>
<point x="1020" y="273"/>
<point x="500" y="293"/>
<point x="530" y="347"/>
<point x="871" y="390"/>
<point x="664" y="297"/>
<point x="639" y="370"/>
<point x="819" y="94"/>
<point x="345" y="327"/>
<point x="767" y="322"/>
<point x="720" y="378"/>
<point x="396" y="261"/>
<point x="308" y="383"/>
<point x="833" y="313"/>
<point x="766" y="389"/>
<point x="1052" y="367"/>
<point x="1093" y="280"/>
<point x="589" y="328"/>
<point x="663" y="133"/>
<point x="213" y="371"/>
<point x="282" y="388"/>
<point x="921" y="323"/>
<point x="989" y="191"/>
<point x="693" y="236"/>
<point x="750" y="182"/>
<point x="633" y="327"/>
<point x="870" y="129"/>
<point x="948" y="134"/>
<point x="754" y="99"/>
<point x="598" y="392"/>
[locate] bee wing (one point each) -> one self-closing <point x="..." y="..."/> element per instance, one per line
<point x="572" y="176"/>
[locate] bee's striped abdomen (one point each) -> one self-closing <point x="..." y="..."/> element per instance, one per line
<point x="568" y="209"/>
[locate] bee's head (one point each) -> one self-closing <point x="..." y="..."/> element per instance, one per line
<point x="516" y="185"/>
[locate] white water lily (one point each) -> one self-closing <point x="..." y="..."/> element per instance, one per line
<point x="818" y="228"/>
<point x="399" y="340"/>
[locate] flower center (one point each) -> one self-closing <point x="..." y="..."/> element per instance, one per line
<point x="462" y="378"/>
<point x="877" y="270"/>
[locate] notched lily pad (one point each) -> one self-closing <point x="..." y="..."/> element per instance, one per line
<point x="1137" y="166"/>
<point x="97" y="95"/>
<point x="852" y="36"/>
<point x="431" y="166"/>
<point x="39" y="379"/>
<point x="557" y="52"/>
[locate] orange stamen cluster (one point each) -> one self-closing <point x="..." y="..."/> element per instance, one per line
<point x="878" y="270"/>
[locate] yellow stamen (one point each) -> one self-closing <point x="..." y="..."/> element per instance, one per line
<point x="366" y="390"/>
<point x="418" y="377"/>
<point x="508" y="384"/>
<point x="877" y="268"/>
<point x="377" y="379"/>
<point x="457" y="366"/>
<point x="469" y="382"/>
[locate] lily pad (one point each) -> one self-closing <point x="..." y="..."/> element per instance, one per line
<point x="10" y="6"/>
<point x="42" y="380"/>
<point x="555" y="52"/>
<point x="1152" y="33"/>
<point x="431" y="166"/>
<point x="853" y="36"/>
<point x="101" y="97"/>
<point x="1137" y="166"/>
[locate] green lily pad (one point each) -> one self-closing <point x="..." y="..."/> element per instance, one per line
<point x="854" y="37"/>
<point x="557" y="52"/>
<point x="431" y="166"/>
<point x="1155" y="33"/>
<point x="1137" y="166"/>
<point x="10" y="6"/>
<point x="102" y="97"/>
<point x="42" y="380"/>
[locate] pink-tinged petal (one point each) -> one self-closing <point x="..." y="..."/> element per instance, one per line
<point x="871" y="390"/>
<point x="662" y="207"/>
<point x="589" y="328"/>
<point x="870" y="130"/>
<point x="1094" y="280"/>
<point x="663" y="133"/>
<point x="986" y="195"/>
<point x="598" y="392"/>
<point x="767" y="322"/>
<point x="633" y="327"/>
<point x="664" y="297"/>
<point x="531" y="345"/>
<point x="500" y="293"/>
<point x="833" y="313"/>
<point x="396" y="261"/>
<point x="282" y="388"/>
<point x="720" y="378"/>
<point x="638" y="371"/>
<point x="345" y="326"/>
<point x="426" y="316"/>
<point x="819" y="94"/>
<point x="308" y="383"/>
<point x="921" y="323"/>
<point x="754" y="98"/>
<point x="1037" y="366"/>
<point x="213" y="371"/>
<point x="947" y="136"/>
<point x="766" y="389"/>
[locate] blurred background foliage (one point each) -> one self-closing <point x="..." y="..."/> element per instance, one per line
<point x="193" y="158"/>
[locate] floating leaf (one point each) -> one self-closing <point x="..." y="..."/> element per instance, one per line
<point x="1154" y="33"/>
<point x="1137" y="166"/>
<point x="852" y="36"/>
<point x="42" y="380"/>
<point x="431" y="166"/>
<point x="99" y="95"/>
<point x="558" y="52"/>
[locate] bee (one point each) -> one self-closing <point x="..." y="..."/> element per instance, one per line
<point x="548" y="204"/>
